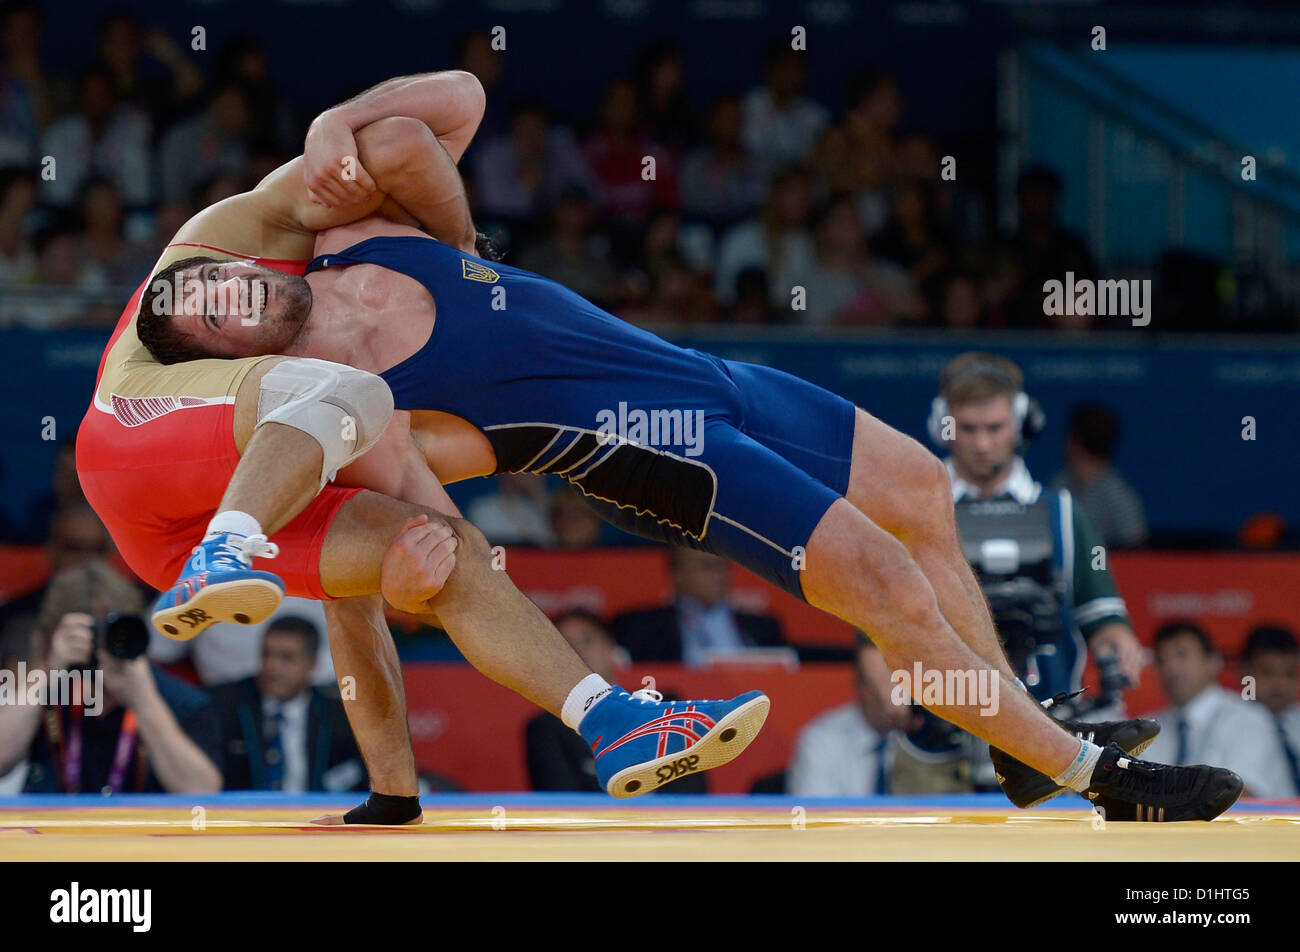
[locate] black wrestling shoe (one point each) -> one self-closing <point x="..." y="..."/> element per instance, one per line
<point x="1127" y="789"/>
<point x="1026" y="787"/>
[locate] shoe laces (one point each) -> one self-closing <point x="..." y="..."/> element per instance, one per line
<point x="1157" y="781"/>
<point x="238" y="552"/>
<point x="1056" y="700"/>
<point x="647" y="696"/>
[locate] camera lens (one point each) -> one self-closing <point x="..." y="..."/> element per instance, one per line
<point x="126" y="637"/>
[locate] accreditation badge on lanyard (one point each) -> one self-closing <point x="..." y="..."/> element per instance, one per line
<point x="68" y="761"/>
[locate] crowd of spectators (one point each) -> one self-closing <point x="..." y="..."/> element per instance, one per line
<point x="665" y="210"/>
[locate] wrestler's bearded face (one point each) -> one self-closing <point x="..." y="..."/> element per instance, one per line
<point x="236" y="309"/>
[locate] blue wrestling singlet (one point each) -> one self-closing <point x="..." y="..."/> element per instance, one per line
<point x="667" y="442"/>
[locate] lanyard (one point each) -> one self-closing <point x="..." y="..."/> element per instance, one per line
<point x="70" y="770"/>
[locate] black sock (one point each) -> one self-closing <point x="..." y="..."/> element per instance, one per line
<point x="384" y="809"/>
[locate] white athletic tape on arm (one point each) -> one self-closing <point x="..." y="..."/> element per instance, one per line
<point x="320" y="398"/>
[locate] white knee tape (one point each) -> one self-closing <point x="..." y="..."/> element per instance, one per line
<point x="343" y="409"/>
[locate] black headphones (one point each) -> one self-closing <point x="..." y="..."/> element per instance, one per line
<point x="1028" y="412"/>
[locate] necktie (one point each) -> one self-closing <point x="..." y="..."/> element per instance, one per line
<point x="275" y="752"/>
<point x="1291" y="757"/>
<point x="1182" y="742"/>
<point x="882" y="775"/>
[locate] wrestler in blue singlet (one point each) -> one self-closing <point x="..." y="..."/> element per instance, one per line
<point x="539" y="370"/>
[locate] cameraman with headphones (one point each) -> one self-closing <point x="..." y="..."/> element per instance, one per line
<point x="145" y="732"/>
<point x="1039" y="561"/>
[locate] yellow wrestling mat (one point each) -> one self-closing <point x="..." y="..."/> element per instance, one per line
<point x="579" y="827"/>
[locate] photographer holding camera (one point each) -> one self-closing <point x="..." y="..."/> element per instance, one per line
<point x="144" y="732"/>
<point x="1039" y="561"/>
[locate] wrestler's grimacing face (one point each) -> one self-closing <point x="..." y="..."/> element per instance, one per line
<point x="236" y="309"/>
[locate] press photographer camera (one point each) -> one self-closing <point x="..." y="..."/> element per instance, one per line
<point x="132" y="727"/>
<point x="123" y="635"/>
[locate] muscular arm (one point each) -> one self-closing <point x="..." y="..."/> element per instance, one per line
<point x="181" y="765"/>
<point x="449" y="103"/>
<point x="409" y="134"/>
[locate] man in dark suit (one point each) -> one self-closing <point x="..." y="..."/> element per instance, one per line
<point x="700" y="625"/>
<point x="558" y="758"/>
<point x="280" y="732"/>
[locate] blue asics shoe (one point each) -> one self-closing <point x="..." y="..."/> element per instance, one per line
<point x="219" y="583"/>
<point x="641" y="742"/>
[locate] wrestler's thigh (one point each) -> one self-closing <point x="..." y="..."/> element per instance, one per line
<point x="897" y="482"/>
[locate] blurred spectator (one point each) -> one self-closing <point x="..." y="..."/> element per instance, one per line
<point x="168" y="219"/>
<point x="147" y="733"/>
<point x="1272" y="658"/>
<point x="105" y="137"/>
<point x="1114" y="505"/>
<point x="858" y="154"/>
<point x="911" y="239"/>
<point x="217" y="187"/>
<point x="65" y="491"/>
<point x="281" y="733"/>
<point x="163" y="83"/>
<point x="516" y="514"/>
<point x="76" y="537"/>
<point x="848" y="286"/>
<point x="661" y="86"/>
<point x="779" y="241"/>
<point x="242" y="61"/>
<point x="18" y="198"/>
<point x="518" y="175"/>
<point x="616" y="154"/>
<point x="558" y="758"/>
<point x="753" y="303"/>
<point x="574" y="524"/>
<point x="678" y="295"/>
<point x="721" y="182"/>
<point x="1208" y="724"/>
<point x="780" y="124"/>
<point x="955" y="211"/>
<point x="1042" y="250"/>
<point x="25" y="96"/>
<point x="234" y="652"/>
<point x="699" y="625"/>
<point x="962" y="302"/>
<point x="473" y="53"/>
<point x="15" y="646"/>
<point x="64" y="268"/>
<point x="847" y="751"/>
<point x="212" y="142"/>
<point x="667" y="239"/>
<point x="120" y="261"/>
<point x="574" y="251"/>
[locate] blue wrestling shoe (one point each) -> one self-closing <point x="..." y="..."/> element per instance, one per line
<point x="219" y="583"/>
<point x="642" y="742"/>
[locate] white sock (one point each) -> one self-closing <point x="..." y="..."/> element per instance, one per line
<point x="232" y="520"/>
<point x="583" y="698"/>
<point x="1078" y="776"/>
